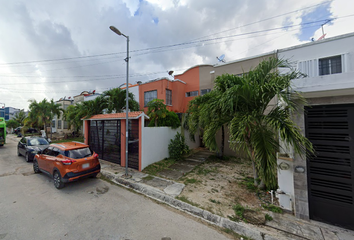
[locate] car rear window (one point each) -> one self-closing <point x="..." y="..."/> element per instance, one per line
<point x="79" y="153"/>
<point x="37" y="141"/>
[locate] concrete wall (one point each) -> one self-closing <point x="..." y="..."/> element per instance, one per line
<point x="155" y="141"/>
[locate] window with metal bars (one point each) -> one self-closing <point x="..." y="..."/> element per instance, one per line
<point x="331" y="65"/>
<point x="192" y="94"/>
<point x="149" y="96"/>
<point x="168" y="97"/>
<point x="204" y="91"/>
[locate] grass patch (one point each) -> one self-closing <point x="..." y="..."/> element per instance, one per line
<point x="186" y="200"/>
<point x="214" y="201"/>
<point x="268" y="217"/>
<point x="239" y="211"/>
<point x="191" y="181"/>
<point x="148" y="178"/>
<point x="248" y="182"/>
<point x="204" y="171"/>
<point x="273" y="208"/>
<point x="77" y="139"/>
<point x="154" y="168"/>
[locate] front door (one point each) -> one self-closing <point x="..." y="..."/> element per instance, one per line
<point x="330" y="128"/>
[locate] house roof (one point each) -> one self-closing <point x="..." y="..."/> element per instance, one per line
<point x="115" y="116"/>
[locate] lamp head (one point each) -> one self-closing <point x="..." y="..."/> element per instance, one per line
<point x="114" y="29"/>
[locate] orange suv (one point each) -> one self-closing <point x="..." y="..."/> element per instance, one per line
<point x="67" y="162"/>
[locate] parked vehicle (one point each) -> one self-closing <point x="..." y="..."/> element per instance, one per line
<point x="2" y="131"/>
<point x="29" y="146"/>
<point x="17" y="130"/>
<point x="67" y="162"/>
<point x="29" y="130"/>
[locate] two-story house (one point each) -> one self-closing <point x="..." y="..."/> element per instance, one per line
<point x="322" y="186"/>
<point x="195" y="81"/>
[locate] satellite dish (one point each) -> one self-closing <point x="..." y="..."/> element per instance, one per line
<point x="170" y="73"/>
<point x="221" y="58"/>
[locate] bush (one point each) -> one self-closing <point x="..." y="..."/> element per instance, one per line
<point x="177" y="147"/>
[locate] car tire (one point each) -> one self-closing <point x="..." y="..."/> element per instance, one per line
<point x="18" y="152"/>
<point x="94" y="176"/>
<point x="58" y="183"/>
<point x="35" y="166"/>
<point x="27" y="157"/>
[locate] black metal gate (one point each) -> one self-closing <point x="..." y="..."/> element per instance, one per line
<point x="331" y="172"/>
<point x="105" y="138"/>
<point x="133" y="144"/>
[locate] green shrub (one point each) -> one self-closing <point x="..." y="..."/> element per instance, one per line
<point x="272" y="208"/>
<point x="177" y="147"/>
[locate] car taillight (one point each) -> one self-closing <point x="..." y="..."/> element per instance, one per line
<point x="95" y="155"/>
<point x="67" y="161"/>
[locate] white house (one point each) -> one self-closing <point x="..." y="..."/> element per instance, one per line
<point x="322" y="187"/>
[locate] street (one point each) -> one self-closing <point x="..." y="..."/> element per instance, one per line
<point x="32" y="208"/>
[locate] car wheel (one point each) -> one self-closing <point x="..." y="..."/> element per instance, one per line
<point x="94" y="176"/>
<point x="35" y="166"/>
<point x="27" y="157"/>
<point x="57" y="180"/>
<point x="18" y="152"/>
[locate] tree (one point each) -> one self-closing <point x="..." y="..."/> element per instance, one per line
<point x="93" y="107"/>
<point x="255" y="128"/>
<point x="205" y="115"/>
<point x="20" y="117"/>
<point x="73" y="115"/>
<point x="12" y="123"/>
<point x="43" y="112"/>
<point x="160" y="116"/>
<point x="116" y="100"/>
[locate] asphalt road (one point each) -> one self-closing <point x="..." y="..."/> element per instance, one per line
<point x="32" y="208"/>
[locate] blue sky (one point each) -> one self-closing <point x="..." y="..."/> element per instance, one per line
<point x="319" y="13"/>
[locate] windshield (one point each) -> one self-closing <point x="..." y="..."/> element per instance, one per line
<point x="79" y="153"/>
<point x="37" y="141"/>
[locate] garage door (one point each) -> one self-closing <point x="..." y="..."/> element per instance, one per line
<point x="331" y="172"/>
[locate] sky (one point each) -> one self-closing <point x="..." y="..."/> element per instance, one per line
<point x="54" y="49"/>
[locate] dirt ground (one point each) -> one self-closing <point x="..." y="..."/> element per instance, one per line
<point x="218" y="185"/>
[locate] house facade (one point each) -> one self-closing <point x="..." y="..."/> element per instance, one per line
<point x="321" y="187"/>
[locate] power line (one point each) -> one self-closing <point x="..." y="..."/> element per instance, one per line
<point x="266" y="19"/>
<point x="147" y="49"/>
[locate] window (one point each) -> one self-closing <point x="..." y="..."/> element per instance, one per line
<point x="204" y="91"/>
<point x="65" y="124"/>
<point x="168" y="97"/>
<point x="48" y="151"/>
<point x="148" y="96"/>
<point x="192" y="94"/>
<point x="79" y="153"/>
<point x="53" y="123"/>
<point x="330" y="65"/>
<point x="59" y="124"/>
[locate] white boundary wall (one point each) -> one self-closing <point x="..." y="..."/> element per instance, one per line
<point x="155" y="141"/>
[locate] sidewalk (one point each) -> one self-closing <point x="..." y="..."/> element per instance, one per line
<point x="283" y="226"/>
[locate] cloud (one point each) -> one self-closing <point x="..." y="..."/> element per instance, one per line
<point x="195" y="31"/>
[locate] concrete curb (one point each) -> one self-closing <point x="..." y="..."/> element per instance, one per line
<point x="241" y="228"/>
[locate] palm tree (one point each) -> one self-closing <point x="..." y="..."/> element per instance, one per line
<point x="204" y="114"/>
<point x="20" y="117"/>
<point x="73" y="115"/>
<point x="43" y="112"/>
<point x="256" y="128"/>
<point x="116" y="100"/>
<point x="93" y="107"/>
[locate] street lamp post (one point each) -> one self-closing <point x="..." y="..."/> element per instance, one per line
<point x="115" y="30"/>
